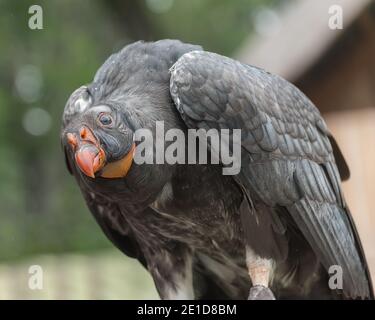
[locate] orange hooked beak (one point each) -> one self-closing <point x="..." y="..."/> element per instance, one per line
<point x="90" y="156"/>
<point x="90" y="159"/>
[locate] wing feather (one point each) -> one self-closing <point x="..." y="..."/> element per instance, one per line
<point x="289" y="161"/>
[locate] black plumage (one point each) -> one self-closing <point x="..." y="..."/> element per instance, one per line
<point x="189" y="224"/>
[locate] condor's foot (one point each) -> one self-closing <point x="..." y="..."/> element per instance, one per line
<point x="260" y="292"/>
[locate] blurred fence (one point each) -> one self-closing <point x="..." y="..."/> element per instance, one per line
<point x="107" y="275"/>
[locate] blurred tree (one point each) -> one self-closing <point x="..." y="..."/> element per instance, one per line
<point x="218" y="25"/>
<point x="41" y="208"/>
<point x="130" y="16"/>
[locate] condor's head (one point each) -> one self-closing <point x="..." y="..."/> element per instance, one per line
<point x="100" y="142"/>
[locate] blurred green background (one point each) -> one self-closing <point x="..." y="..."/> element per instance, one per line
<point x="41" y="209"/>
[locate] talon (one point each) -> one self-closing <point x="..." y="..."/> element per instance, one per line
<point x="260" y="292"/>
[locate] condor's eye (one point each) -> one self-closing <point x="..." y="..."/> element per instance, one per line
<point x="105" y="119"/>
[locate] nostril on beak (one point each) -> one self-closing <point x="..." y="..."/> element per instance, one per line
<point x="83" y="133"/>
<point x="86" y="135"/>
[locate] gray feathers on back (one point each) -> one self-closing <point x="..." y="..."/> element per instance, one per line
<point x="289" y="161"/>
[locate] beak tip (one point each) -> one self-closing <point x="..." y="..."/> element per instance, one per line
<point x="86" y="162"/>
